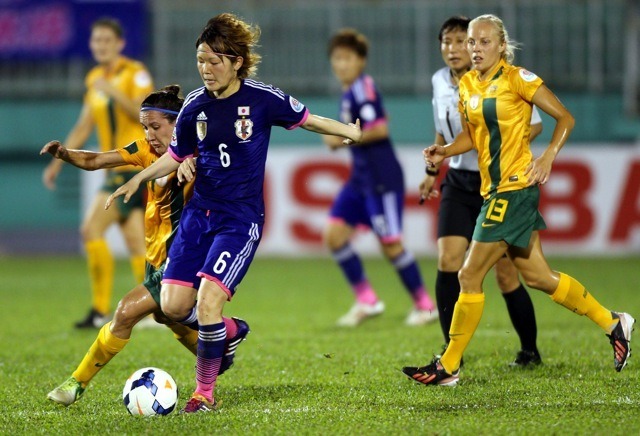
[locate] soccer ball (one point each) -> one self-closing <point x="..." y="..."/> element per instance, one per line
<point x="149" y="392"/>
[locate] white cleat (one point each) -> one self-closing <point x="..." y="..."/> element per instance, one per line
<point x="359" y="312"/>
<point x="620" y="339"/>
<point x="67" y="393"/>
<point x="419" y="317"/>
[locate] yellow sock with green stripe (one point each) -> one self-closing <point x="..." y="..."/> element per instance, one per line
<point x="571" y="294"/>
<point x="466" y="317"/>
<point x="100" y="353"/>
<point x="101" y="266"/>
<point x="137" y="267"/>
<point x="186" y="336"/>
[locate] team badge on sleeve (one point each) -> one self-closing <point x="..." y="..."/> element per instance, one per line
<point x="527" y="76"/>
<point x="295" y="104"/>
<point x="368" y="113"/>
<point x="142" y="79"/>
<point x="244" y="128"/>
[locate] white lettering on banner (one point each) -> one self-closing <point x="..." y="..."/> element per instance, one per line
<point x="588" y="211"/>
<point x="591" y="203"/>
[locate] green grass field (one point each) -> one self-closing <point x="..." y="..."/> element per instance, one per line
<point x="298" y="374"/>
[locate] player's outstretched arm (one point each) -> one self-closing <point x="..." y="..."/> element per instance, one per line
<point x="163" y="166"/>
<point x="87" y="160"/>
<point x="327" y="126"/>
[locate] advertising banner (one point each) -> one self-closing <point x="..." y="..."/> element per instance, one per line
<point x="60" y="29"/>
<point x="591" y="204"/>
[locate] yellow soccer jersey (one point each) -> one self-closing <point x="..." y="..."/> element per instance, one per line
<point x="164" y="203"/>
<point x="114" y="126"/>
<point x="498" y="113"/>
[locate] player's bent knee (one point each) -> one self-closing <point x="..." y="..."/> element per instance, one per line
<point x="469" y="280"/>
<point x="448" y="262"/>
<point x="177" y="301"/>
<point x="335" y="236"/>
<point x="334" y="241"/>
<point x="176" y="312"/>
<point x="507" y="284"/>
<point x="392" y="250"/>
<point x="126" y="315"/>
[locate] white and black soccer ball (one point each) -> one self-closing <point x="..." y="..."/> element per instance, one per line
<point x="149" y="392"/>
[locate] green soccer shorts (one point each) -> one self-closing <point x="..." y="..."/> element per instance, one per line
<point x="510" y="216"/>
<point x="153" y="280"/>
<point x="116" y="179"/>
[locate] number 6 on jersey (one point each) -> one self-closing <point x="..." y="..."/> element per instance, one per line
<point x="225" y="158"/>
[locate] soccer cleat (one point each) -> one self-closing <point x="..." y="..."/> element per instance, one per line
<point x="67" y="393"/>
<point x="526" y="358"/>
<point x="432" y="374"/>
<point x="620" y="339"/>
<point x="359" y="312"/>
<point x="198" y="403"/>
<point x="232" y="344"/>
<point x="419" y="317"/>
<point x="94" y="320"/>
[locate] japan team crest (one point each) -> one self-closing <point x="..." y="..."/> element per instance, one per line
<point x="244" y="128"/>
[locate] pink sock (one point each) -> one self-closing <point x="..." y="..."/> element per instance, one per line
<point x="365" y="293"/>
<point x="422" y="300"/>
<point x="232" y="327"/>
<point x="211" y="345"/>
<point x="206" y="375"/>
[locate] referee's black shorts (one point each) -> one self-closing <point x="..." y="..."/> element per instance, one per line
<point x="458" y="212"/>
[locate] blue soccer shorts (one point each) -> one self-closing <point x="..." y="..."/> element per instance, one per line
<point x="380" y="212"/>
<point x="212" y="245"/>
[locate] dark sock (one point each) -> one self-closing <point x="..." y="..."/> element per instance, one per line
<point x="211" y="344"/>
<point x="191" y="320"/>
<point x="408" y="271"/>
<point x="350" y="264"/>
<point x="447" y="292"/>
<point x="522" y="317"/>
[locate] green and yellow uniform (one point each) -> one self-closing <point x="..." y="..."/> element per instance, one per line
<point x="498" y="114"/>
<point x="164" y="207"/>
<point x="114" y="126"/>
<point x="165" y="201"/>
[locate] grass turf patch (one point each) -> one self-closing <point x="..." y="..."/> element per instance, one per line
<point x="299" y="374"/>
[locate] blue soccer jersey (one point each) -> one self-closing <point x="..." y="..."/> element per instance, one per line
<point x="231" y="137"/>
<point x="375" y="166"/>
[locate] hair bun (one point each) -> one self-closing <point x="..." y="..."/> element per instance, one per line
<point x="172" y="89"/>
